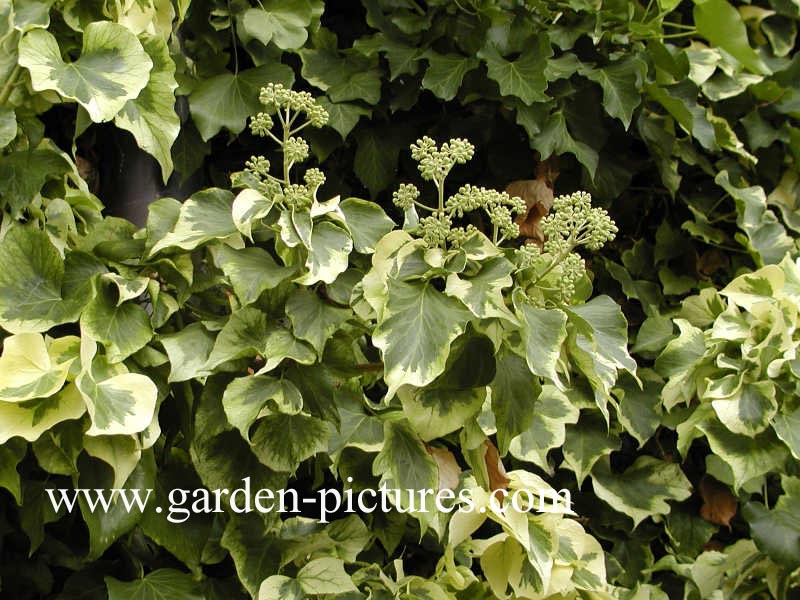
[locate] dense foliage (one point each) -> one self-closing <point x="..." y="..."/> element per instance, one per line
<point x="343" y="297"/>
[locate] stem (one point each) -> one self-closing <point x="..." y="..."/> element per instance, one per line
<point x="5" y="93"/>
<point x="233" y="43"/>
<point x="440" y="189"/>
<point x="286" y="135"/>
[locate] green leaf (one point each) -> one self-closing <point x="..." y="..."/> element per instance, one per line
<point x="366" y="222"/>
<point x="32" y="279"/>
<point x="282" y="23"/>
<point x="515" y="392"/>
<point x="544" y="331"/>
<point x="375" y="159"/>
<point x="24" y="172"/>
<point x="765" y="235"/>
<point x="31" y="419"/>
<point x="556" y="139"/>
<point x="112" y="68"/>
<point x="205" y="216"/>
<point x="586" y="443"/>
<point x="403" y="463"/>
<point x="358" y="429"/>
<point x="122" y="328"/>
<point x="776" y="532"/>
<point x="680" y="100"/>
<point x="250" y="270"/>
<point x="445" y="73"/>
<point x="639" y="407"/>
<point x="325" y="576"/>
<point x="163" y="584"/>
<point x="411" y="308"/>
<point x="151" y="117"/>
<point x="343" y="116"/>
<point x="643" y="489"/>
<point x="313" y="319"/>
<point x="107" y="526"/>
<point x="228" y="99"/>
<point x="32" y="367"/>
<point x="282" y="442"/>
<point x="361" y="85"/>
<point x="523" y="77"/>
<point x="787" y="427"/>
<point x="620" y="81"/>
<point x="254" y="552"/>
<point x="245" y="399"/>
<point x="8" y="126"/>
<point x="11" y="453"/>
<point x="722" y="25"/>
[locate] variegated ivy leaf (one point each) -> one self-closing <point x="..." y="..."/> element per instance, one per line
<point x="454" y="397"/>
<point x="39" y="289"/>
<point x="250" y="270"/>
<point x="787" y="426"/>
<point x="643" y="489"/>
<point x="280" y="587"/>
<point x="31" y="419"/>
<point x="112" y="68"/>
<point x="246" y="399"/>
<point x="248" y="206"/>
<point x="413" y="309"/>
<point x="599" y="345"/>
<point x="515" y="391"/>
<point x="188" y="351"/>
<point x="358" y="428"/>
<point x="586" y="443"/>
<point x="482" y="293"/>
<point x="120" y="452"/>
<point x="403" y="463"/>
<point x="32" y="366"/>
<point x="122" y="327"/>
<point x="325" y="576"/>
<point x="151" y="116"/>
<point x="118" y="402"/>
<point x="749" y="457"/>
<point x="366" y="222"/>
<point x="551" y="414"/>
<point x="127" y="289"/>
<point x="314" y="319"/>
<point x="749" y="410"/>
<point x="544" y="331"/>
<point x="205" y="216"/>
<point x="330" y="247"/>
<point x="281" y="442"/>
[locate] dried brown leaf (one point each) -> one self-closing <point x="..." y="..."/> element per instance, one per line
<point x="719" y="504"/>
<point x="448" y="467"/>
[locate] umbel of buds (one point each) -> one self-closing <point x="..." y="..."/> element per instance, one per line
<point x="294" y="111"/>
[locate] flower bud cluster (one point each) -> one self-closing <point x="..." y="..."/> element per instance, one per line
<point x="405" y="196"/>
<point x="435" y="228"/>
<point x="435" y="163"/>
<point x="274" y="97"/>
<point x="573" y="222"/>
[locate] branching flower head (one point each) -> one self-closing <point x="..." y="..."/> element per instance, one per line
<point x="296" y="149"/>
<point x="405" y="196"/>
<point x="274" y="97"/>
<point x="435" y="163"/>
<point x="573" y="222"/>
<point x="435" y="229"/>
